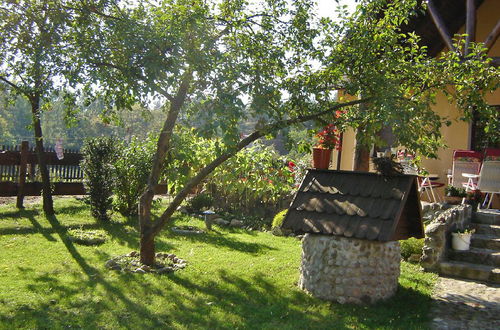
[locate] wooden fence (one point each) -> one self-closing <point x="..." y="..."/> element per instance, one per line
<point x="19" y="175"/>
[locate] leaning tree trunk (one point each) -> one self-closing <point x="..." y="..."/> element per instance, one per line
<point x="48" y="206"/>
<point x="146" y="225"/>
<point x="149" y="228"/>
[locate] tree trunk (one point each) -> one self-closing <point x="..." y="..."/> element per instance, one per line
<point x="146" y="199"/>
<point x="361" y="159"/>
<point x="147" y="246"/>
<point x="48" y="205"/>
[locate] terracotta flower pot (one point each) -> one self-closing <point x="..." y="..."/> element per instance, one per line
<point x="321" y="158"/>
<point x="454" y="200"/>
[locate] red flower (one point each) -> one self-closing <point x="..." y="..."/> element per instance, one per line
<point x="328" y="138"/>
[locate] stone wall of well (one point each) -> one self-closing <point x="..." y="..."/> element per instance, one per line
<point x="349" y="270"/>
<point x="438" y="235"/>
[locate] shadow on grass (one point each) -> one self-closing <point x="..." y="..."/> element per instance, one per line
<point x="30" y="215"/>
<point x="225" y="301"/>
<point x="93" y="279"/>
<point x="221" y="239"/>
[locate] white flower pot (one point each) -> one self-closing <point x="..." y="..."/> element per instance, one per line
<point x="460" y="241"/>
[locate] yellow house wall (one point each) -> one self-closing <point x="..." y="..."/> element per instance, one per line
<point x="455" y="136"/>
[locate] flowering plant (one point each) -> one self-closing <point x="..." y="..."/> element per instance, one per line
<point x="328" y="138"/>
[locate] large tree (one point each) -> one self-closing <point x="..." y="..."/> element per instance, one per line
<point x="274" y="61"/>
<point x="34" y="43"/>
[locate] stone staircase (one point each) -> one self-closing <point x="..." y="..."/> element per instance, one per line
<point x="482" y="261"/>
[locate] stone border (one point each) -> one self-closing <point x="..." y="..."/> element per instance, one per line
<point x="438" y="235"/>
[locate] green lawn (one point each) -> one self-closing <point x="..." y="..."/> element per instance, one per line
<point x="236" y="279"/>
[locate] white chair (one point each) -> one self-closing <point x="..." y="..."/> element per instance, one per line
<point x="489" y="180"/>
<point x="464" y="161"/>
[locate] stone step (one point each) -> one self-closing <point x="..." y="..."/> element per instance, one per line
<point x="476" y="256"/>
<point x="487" y="217"/>
<point x="470" y="271"/>
<point x="492" y="230"/>
<point x="485" y="242"/>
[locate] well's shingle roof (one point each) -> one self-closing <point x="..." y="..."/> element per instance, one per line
<point x="355" y="204"/>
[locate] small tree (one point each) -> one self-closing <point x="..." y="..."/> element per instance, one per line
<point x="35" y="45"/>
<point x="99" y="154"/>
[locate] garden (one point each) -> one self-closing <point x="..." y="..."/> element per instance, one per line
<point x="234" y="278"/>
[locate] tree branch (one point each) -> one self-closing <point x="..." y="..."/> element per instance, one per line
<point x="203" y="173"/>
<point x="138" y="75"/>
<point x="11" y="84"/>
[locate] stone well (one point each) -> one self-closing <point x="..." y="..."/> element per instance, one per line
<point x="349" y="270"/>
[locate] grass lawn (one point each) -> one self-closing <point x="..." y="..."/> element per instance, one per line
<point x="236" y="279"/>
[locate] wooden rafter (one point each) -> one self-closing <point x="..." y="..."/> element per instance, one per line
<point x="493" y="36"/>
<point x="470" y="27"/>
<point x="438" y="21"/>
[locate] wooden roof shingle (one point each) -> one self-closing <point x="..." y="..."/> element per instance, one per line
<point x="356" y="204"/>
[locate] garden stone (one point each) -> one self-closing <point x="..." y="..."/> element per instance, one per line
<point x="237" y="223"/>
<point x="221" y="222"/>
<point x="146" y="268"/>
<point x="140" y="271"/>
<point x="165" y="270"/>
<point x="132" y="254"/>
<point x="111" y="263"/>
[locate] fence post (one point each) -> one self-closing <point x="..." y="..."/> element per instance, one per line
<point x="22" y="173"/>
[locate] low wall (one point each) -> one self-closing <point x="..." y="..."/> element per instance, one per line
<point x="438" y="234"/>
<point x="349" y="270"/>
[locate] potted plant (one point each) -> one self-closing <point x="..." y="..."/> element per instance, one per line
<point x="474" y="198"/>
<point x="328" y="139"/>
<point x="460" y="239"/>
<point x="454" y="195"/>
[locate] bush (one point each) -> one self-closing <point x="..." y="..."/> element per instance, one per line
<point x="278" y="219"/>
<point x="200" y="202"/>
<point x="257" y="181"/>
<point x="97" y="165"/>
<point x="133" y="166"/>
<point x="411" y="246"/>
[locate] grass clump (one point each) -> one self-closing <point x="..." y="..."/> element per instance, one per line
<point x="87" y="236"/>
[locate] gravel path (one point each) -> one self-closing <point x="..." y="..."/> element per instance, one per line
<point x="463" y="304"/>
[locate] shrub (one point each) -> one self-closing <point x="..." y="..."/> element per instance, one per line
<point x="132" y="166"/>
<point x="256" y="181"/>
<point x="200" y="202"/>
<point x="410" y="247"/>
<point x="278" y="218"/>
<point x="97" y="165"/>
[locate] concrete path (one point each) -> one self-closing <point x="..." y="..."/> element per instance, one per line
<point x="464" y="304"/>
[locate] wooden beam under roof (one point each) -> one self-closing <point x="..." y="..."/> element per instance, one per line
<point x="470" y="27"/>
<point x="441" y="27"/>
<point x="493" y="36"/>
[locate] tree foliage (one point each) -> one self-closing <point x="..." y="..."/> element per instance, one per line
<point x="218" y="63"/>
